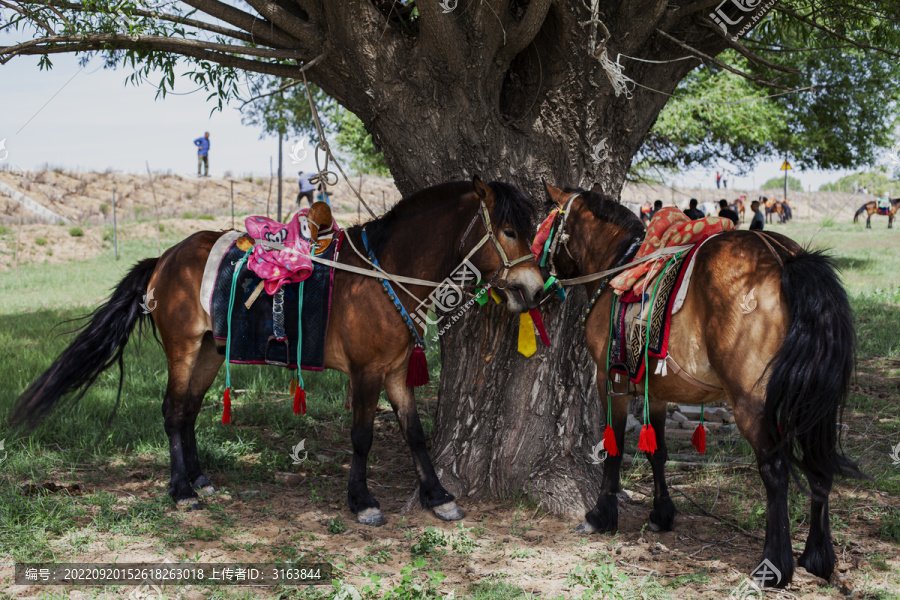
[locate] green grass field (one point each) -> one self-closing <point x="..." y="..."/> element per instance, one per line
<point x="73" y="445"/>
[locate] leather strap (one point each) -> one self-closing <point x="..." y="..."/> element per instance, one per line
<point x="676" y="368"/>
<point x="765" y="239"/>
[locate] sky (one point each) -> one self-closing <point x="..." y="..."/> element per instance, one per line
<point x="90" y="119"/>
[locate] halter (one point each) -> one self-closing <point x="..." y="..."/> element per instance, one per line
<point x="500" y="283"/>
<point x="559" y="235"/>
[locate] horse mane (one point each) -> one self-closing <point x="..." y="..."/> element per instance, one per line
<point x="511" y="206"/>
<point x="610" y="211"/>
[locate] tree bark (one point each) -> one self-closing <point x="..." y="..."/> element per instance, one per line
<point x="517" y="103"/>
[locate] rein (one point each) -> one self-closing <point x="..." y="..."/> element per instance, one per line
<point x="490" y="236"/>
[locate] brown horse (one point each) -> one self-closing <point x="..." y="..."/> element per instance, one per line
<point x="424" y="236"/>
<point x="781" y="208"/>
<point x="872" y="209"/>
<point x="784" y="365"/>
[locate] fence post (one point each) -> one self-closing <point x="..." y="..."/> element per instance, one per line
<point x="115" y="227"/>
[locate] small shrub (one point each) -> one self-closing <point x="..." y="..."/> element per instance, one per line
<point x="205" y="217"/>
<point x="188" y="215"/>
<point x="40" y="242"/>
<point x="336" y="526"/>
<point x="4" y="230"/>
<point x="76" y="232"/>
<point x="890" y="525"/>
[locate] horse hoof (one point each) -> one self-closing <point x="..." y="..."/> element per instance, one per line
<point x="371" y="517"/>
<point x="449" y="511"/>
<point x="654" y="527"/>
<point x="188" y="504"/>
<point x="585" y="528"/>
<point x="207" y="490"/>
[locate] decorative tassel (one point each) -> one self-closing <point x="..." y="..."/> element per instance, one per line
<point x="299" y="401"/>
<point x="698" y="440"/>
<point x="609" y="441"/>
<point x="293" y="386"/>
<point x="527" y="341"/>
<point x="417" y="373"/>
<point x="647" y="440"/>
<point x="539" y="325"/>
<point x="226" y="411"/>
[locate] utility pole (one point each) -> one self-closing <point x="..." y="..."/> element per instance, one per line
<point x="280" y="143"/>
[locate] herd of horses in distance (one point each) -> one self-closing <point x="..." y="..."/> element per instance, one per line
<point x="796" y="350"/>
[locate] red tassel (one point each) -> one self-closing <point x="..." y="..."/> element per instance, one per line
<point x="539" y="325"/>
<point x="299" y="401"/>
<point x="647" y="440"/>
<point x="347" y="404"/>
<point x="417" y="373"/>
<point x="226" y="411"/>
<point x="609" y="441"/>
<point x="699" y="439"/>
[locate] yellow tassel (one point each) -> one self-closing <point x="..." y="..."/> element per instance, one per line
<point x="495" y="296"/>
<point x="527" y="340"/>
<point x="293" y="386"/>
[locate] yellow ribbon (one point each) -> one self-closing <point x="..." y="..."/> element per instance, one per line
<point x="527" y="341"/>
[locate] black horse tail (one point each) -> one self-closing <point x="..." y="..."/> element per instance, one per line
<point x="100" y="343"/>
<point x="810" y="376"/>
<point x="861" y="210"/>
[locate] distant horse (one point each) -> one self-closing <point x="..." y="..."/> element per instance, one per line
<point x="785" y="365"/>
<point x="872" y="209"/>
<point x="776" y="207"/>
<point x="425" y="236"/>
<point x="738" y="207"/>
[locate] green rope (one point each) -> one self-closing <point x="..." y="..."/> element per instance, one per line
<point x="234" y="278"/>
<point x="647" y="339"/>
<point x="299" y="331"/>
<point x="609" y="386"/>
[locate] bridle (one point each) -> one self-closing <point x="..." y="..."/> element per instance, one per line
<point x="558" y="235"/>
<point x="497" y="281"/>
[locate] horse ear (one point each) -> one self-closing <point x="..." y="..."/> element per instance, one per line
<point x="597" y="188"/>
<point x="557" y="195"/>
<point x="484" y="192"/>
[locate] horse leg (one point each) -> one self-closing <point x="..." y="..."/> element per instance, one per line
<point x="208" y="364"/>
<point x="662" y="518"/>
<point x="431" y="493"/>
<point x="365" y="388"/>
<point x="604" y="517"/>
<point x="773" y="470"/>
<point x="818" y="556"/>
<point x="869" y="221"/>
<point x="175" y="408"/>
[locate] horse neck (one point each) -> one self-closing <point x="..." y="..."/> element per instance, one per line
<point x="426" y="245"/>
<point x="598" y="258"/>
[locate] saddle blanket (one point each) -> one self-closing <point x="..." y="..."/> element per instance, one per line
<point x="251" y="328"/>
<point x="628" y="337"/>
<point x="669" y="227"/>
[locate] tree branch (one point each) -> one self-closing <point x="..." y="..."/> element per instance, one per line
<point x="74" y="43"/>
<point x="721" y="64"/>
<point x="242" y="20"/>
<point x="694" y="7"/>
<point x="831" y="32"/>
<point x="165" y="44"/>
<point x="524" y="32"/>
<point x="439" y="33"/>
<point x="746" y="53"/>
<point x="29" y="16"/>
<point x="284" y="20"/>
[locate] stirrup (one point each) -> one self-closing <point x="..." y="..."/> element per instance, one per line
<point x="612" y="382"/>
<point x="287" y="350"/>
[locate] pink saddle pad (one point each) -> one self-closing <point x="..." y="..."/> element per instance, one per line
<point x="277" y="267"/>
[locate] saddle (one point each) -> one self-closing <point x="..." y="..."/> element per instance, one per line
<point x="648" y="294"/>
<point x="884" y="205"/>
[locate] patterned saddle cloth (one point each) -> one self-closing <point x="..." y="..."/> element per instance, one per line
<point x="651" y="289"/>
<point x="884" y="206"/>
<point x="276" y="314"/>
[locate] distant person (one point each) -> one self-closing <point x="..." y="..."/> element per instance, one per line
<point x="758" y="222"/>
<point x="202" y="144"/>
<point x="307" y="190"/>
<point x="718" y="180"/>
<point x="693" y="212"/>
<point x="724" y="183"/>
<point x="657" y="206"/>
<point x="727" y="213"/>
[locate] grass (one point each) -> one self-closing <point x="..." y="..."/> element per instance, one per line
<point x="72" y="442"/>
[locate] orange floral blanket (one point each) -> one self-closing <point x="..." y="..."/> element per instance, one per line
<point x="669" y="227"/>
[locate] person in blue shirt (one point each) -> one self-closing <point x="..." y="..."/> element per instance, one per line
<point x="758" y="222"/>
<point x="202" y="144"/>
<point x="306" y="190"/>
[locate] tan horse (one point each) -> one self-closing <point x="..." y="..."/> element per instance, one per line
<point x="871" y="208"/>
<point x="783" y="357"/>
<point x="425" y="236"/>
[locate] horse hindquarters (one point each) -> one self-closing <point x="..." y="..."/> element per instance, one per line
<point x="810" y="379"/>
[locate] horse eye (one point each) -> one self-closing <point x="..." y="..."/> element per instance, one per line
<point x="510" y="233"/>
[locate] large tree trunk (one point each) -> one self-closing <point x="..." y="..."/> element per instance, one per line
<point x="515" y="105"/>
